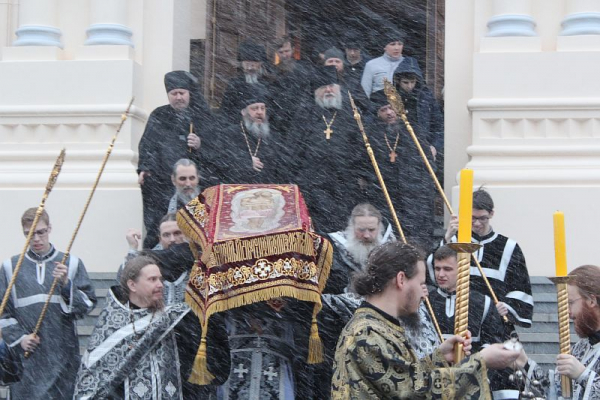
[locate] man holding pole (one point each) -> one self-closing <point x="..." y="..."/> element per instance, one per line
<point x="403" y="170"/>
<point x="50" y="370"/>
<point x="374" y="360"/>
<point x="502" y="262"/>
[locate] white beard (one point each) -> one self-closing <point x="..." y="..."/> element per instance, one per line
<point x="359" y="250"/>
<point x="186" y="198"/>
<point x="262" y="131"/>
<point x="334" y="101"/>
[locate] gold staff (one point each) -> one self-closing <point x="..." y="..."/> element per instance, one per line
<point x="564" y="332"/>
<point x="398" y="106"/>
<point x="388" y="199"/>
<point x="87" y="204"/>
<point x="51" y="181"/>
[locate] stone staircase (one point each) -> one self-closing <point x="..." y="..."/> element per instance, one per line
<point x="541" y="340"/>
<point x="102" y="282"/>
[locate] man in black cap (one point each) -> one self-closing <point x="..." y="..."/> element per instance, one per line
<point x="384" y="66"/>
<point x="335" y="57"/>
<point x="249" y="150"/>
<point x="252" y="58"/>
<point x="404" y="172"/>
<point x="327" y="151"/>
<point x="173" y="131"/>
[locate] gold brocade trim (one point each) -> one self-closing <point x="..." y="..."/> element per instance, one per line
<point x="187" y="224"/>
<point x="239" y="250"/>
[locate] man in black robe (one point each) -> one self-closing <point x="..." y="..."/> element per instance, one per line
<point x="404" y="172"/>
<point x="166" y="139"/>
<point x="290" y="85"/>
<point x="502" y="261"/>
<point x="249" y="150"/>
<point x="328" y="151"/>
<point x="252" y="58"/>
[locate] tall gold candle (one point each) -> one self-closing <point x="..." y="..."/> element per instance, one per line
<point x="560" y="247"/>
<point x="465" y="207"/>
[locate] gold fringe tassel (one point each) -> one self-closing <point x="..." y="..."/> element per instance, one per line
<point x="315" y="345"/>
<point x="200" y="374"/>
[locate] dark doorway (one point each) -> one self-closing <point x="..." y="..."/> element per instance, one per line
<point x="314" y="22"/>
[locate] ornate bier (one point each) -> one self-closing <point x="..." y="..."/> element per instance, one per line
<point x="252" y="243"/>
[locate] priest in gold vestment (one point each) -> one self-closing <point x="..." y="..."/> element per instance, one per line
<point x="374" y="360"/>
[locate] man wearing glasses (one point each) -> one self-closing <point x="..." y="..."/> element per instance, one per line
<point x="502" y="262"/>
<point x="50" y="370"/>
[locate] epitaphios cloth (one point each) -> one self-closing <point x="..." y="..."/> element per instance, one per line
<point x="256" y="245"/>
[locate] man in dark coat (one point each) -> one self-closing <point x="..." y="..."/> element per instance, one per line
<point x="173" y="131"/>
<point x="328" y="152"/>
<point x="290" y="86"/>
<point x="249" y="150"/>
<point x="252" y="58"/>
<point x="404" y="172"/>
<point x="422" y="109"/>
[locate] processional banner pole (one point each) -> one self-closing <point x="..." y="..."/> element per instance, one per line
<point x="358" y="119"/>
<point x="398" y="106"/>
<point x="85" y="208"/>
<point x="51" y="181"/>
<point x="561" y="281"/>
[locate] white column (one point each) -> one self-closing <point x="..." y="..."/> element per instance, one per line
<point x="511" y="18"/>
<point x="37" y="24"/>
<point x="583" y="18"/>
<point x="109" y="23"/>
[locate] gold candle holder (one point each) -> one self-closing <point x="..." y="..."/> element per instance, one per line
<point x="461" y="313"/>
<point x="564" y="328"/>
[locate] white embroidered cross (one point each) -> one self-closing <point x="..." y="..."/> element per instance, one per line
<point x="270" y="373"/>
<point x="240" y="371"/>
<point x="262" y="270"/>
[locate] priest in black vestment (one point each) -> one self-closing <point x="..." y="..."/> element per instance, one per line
<point x="166" y="139"/>
<point x="406" y="177"/>
<point x="328" y="151"/>
<point x="249" y="151"/>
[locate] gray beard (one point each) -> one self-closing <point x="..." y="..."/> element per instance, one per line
<point x="186" y="198"/>
<point x="358" y="250"/>
<point x="262" y="131"/>
<point x="330" y="102"/>
<point x="251" y="78"/>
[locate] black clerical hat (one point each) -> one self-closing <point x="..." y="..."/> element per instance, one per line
<point x="323" y="76"/>
<point x="378" y="99"/>
<point x="180" y="80"/>
<point x="256" y="93"/>
<point x="250" y="51"/>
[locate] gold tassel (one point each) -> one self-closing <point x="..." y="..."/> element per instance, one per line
<point x="200" y="374"/>
<point x="315" y="345"/>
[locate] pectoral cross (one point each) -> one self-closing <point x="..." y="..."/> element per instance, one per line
<point x="328" y="133"/>
<point x="393" y="156"/>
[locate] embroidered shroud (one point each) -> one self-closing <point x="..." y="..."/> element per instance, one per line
<point x="256" y="246"/>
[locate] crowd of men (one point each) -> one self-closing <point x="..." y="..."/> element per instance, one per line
<point x="293" y="123"/>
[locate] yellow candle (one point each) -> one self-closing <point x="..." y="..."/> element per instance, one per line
<point x="465" y="206"/>
<point x="560" y="246"/>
